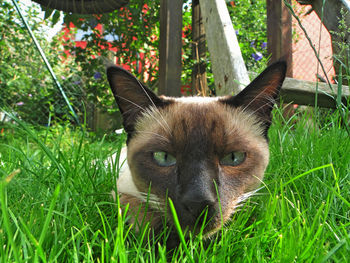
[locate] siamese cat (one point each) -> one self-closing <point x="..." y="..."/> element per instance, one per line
<point x="207" y="154"/>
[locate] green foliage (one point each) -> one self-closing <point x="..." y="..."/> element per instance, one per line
<point x="131" y="33"/>
<point x="249" y="21"/>
<point x="26" y="86"/>
<point x="343" y="50"/>
<point x="19" y="64"/>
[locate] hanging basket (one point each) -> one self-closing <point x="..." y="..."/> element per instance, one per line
<point x="83" y="6"/>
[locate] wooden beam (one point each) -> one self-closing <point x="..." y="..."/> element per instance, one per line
<point x="228" y="67"/>
<point x="199" y="76"/>
<point x="303" y="93"/>
<point x="170" y="48"/>
<point x="279" y="33"/>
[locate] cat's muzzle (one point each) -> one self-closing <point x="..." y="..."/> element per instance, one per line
<point x="195" y="205"/>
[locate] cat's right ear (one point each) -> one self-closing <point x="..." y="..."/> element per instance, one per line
<point x="262" y="93"/>
<point x="131" y="96"/>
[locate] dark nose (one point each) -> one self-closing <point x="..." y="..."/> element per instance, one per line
<point x="195" y="201"/>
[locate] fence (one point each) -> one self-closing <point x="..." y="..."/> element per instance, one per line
<point x="305" y="63"/>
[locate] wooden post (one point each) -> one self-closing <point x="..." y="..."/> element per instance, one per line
<point x="229" y="70"/>
<point x="170" y="47"/>
<point x="199" y="76"/>
<point x="279" y="39"/>
<point x="279" y="33"/>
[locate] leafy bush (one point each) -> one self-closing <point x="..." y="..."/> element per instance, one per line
<point x="129" y="35"/>
<point x="26" y="86"/>
<point x="249" y="21"/>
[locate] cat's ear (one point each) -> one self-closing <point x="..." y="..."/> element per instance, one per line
<point x="131" y="96"/>
<point x="261" y="94"/>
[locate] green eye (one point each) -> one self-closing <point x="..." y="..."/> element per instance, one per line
<point x="233" y="159"/>
<point x="164" y="159"/>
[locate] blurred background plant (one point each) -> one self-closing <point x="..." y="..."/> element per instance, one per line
<point x="78" y="54"/>
<point x="26" y="86"/>
<point x="249" y="21"/>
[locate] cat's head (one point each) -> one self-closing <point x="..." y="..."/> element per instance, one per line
<point x="197" y="150"/>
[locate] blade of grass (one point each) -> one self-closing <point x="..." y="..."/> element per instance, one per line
<point x="70" y="240"/>
<point x="39" y="250"/>
<point x="179" y="230"/>
<point x="339" y="87"/>
<point x="31" y="134"/>
<point x="5" y="215"/>
<point x="306" y="173"/>
<point x="49" y="215"/>
<point x="336" y="193"/>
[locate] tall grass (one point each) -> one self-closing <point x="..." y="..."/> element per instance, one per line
<point x="56" y="204"/>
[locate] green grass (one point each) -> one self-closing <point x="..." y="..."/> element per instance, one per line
<point x="56" y="204"/>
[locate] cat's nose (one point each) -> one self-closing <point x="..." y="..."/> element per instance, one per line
<point x="195" y="201"/>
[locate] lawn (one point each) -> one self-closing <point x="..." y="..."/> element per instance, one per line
<point x="56" y="204"/>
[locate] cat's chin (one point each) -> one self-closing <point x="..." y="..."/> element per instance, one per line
<point x="206" y="224"/>
<point x="208" y="228"/>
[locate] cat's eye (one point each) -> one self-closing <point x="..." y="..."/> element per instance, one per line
<point x="233" y="159"/>
<point x="164" y="159"/>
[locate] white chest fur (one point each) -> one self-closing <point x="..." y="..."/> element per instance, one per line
<point x="125" y="183"/>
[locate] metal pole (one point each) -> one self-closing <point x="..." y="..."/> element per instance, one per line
<point x="43" y="56"/>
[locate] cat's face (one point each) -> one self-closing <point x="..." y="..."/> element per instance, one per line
<point x="206" y="154"/>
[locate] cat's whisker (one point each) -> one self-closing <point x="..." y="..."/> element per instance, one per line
<point x="167" y="129"/>
<point x="260" y="194"/>
<point x="162" y="120"/>
<point x="133" y="103"/>
<point x="235" y="211"/>
<point x="258" y="96"/>
<point x="152" y="199"/>
<point x="147" y="95"/>
<point x="149" y="195"/>
<point x="165" y="122"/>
<point x="145" y="197"/>
<point x="238" y="206"/>
<point x="158" y="135"/>
<point x="258" y="189"/>
<point x="250" y="114"/>
<point x="160" y="114"/>
<point x="270" y="101"/>
<point x="255" y="192"/>
<point x="241" y="200"/>
<point x="245" y="196"/>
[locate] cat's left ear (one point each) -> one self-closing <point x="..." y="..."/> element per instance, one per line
<point x="131" y="95"/>
<point x="261" y="94"/>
